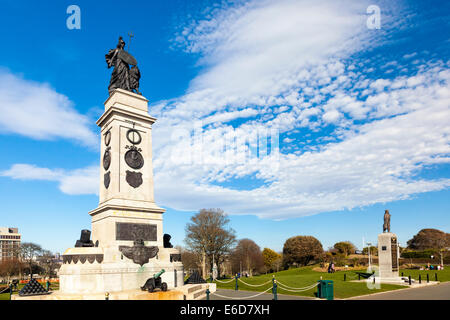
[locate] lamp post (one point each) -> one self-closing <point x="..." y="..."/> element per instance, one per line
<point x="369" y="244"/>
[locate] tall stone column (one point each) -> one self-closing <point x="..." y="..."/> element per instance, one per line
<point x="127" y="209"/>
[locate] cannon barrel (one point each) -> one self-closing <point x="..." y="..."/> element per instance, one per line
<point x="159" y="274"/>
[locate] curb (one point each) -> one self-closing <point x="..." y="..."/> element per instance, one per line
<point x="395" y="290"/>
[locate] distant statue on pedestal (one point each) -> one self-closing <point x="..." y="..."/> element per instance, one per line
<point x="122" y="77"/>
<point x="387" y="221"/>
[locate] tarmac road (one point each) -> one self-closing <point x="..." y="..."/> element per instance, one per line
<point x="435" y="292"/>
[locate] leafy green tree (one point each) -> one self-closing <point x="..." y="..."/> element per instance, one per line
<point x="301" y="250"/>
<point x="373" y="250"/>
<point x="271" y="259"/>
<point x="429" y="239"/>
<point x="345" y="247"/>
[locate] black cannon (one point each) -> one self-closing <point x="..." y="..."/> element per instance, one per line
<point x="85" y="240"/>
<point x="155" y="282"/>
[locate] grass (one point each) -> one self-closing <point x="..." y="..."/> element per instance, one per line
<point x="305" y="276"/>
<point x="443" y="275"/>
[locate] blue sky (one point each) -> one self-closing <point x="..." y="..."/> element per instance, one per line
<point x="360" y="115"/>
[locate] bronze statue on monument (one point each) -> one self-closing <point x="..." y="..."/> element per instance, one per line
<point x="387" y="221"/>
<point x="122" y="76"/>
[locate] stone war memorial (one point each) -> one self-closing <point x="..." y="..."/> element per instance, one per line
<point x="127" y="256"/>
<point x="388" y="253"/>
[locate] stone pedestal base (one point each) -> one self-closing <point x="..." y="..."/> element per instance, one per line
<point x="388" y="256"/>
<point x="101" y="270"/>
<point x="124" y="295"/>
<point x="185" y="292"/>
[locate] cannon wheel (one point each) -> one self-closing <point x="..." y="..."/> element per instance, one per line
<point x="150" y="288"/>
<point x="164" y="286"/>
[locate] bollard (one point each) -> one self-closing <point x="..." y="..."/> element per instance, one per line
<point x="359" y="276"/>
<point x="273" y="279"/>
<point x="402" y="274"/>
<point x="274" y="290"/>
<point x="345" y="276"/>
<point x="107" y="296"/>
<point x="207" y="293"/>
<point x="428" y="278"/>
<point x="409" y="280"/>
<point x="435" y="277"/>
<point x="237" y="287"/>
<point x="374" y="279"/>
<point x="10" y="291"/>
<point x="420" y="279"/>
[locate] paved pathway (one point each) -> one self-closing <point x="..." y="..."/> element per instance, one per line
<point x="242" y="294"/>
<point x="435" y="292"/>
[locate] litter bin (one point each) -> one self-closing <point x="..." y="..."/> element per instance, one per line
<point x="325" y="289"/>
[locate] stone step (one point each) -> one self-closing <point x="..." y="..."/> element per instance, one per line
<point x="195" y="288"/>
<point x="197" y="291"/>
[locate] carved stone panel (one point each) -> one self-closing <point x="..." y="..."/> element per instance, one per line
<point x="107" y="179"/>
<point x="107" y="159"/>
<point x="139" y="253"/>
<point x="134" y="158"/>
<point x="394" y="254"/>
<point x="108" y="138"/>
<point x="135" y="231"/>
<point x="134" y="179"/>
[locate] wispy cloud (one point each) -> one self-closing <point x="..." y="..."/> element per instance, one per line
<point x="291" y="66"/>
<point x="73" y="182"/>
<point x="37" y="111"/>
<point x="298" y="55"/>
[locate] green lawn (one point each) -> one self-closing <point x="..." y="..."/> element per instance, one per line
<point x="303" y="277"/>
<point x="442" y="275"/>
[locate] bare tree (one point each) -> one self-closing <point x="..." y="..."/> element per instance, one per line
<point x="48" y="263"/>
<point x="209" y="236"/>
<point x="249" y="254"/>
<point x="28" y="252"/>
<point x="191" y="260"/>
<point x="9" y="267"/>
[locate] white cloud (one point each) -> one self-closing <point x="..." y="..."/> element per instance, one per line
<point x="37" y="111"/>
<point x="74" y="182"/>
<point x="287" y="65"/>
<point x="268" y="54"/>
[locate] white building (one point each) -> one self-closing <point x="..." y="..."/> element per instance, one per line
<point x="9" y="242"/>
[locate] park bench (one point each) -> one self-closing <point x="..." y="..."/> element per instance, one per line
<point x="365" y="275"/>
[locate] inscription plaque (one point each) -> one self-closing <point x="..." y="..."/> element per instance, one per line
<point x="394" y="254"/>
<point x="136" y="231"/>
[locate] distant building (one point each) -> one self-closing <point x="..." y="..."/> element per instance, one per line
<point x="9" y="242"/>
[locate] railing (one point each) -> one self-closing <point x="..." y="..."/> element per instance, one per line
<point x="275" y="286"/>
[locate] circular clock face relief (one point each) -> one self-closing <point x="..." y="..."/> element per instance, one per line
<point x="106" y="160"/>
<point x="134" y="159"/>
<point x="134" y="136"/>
<point x="108" y="138"/>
